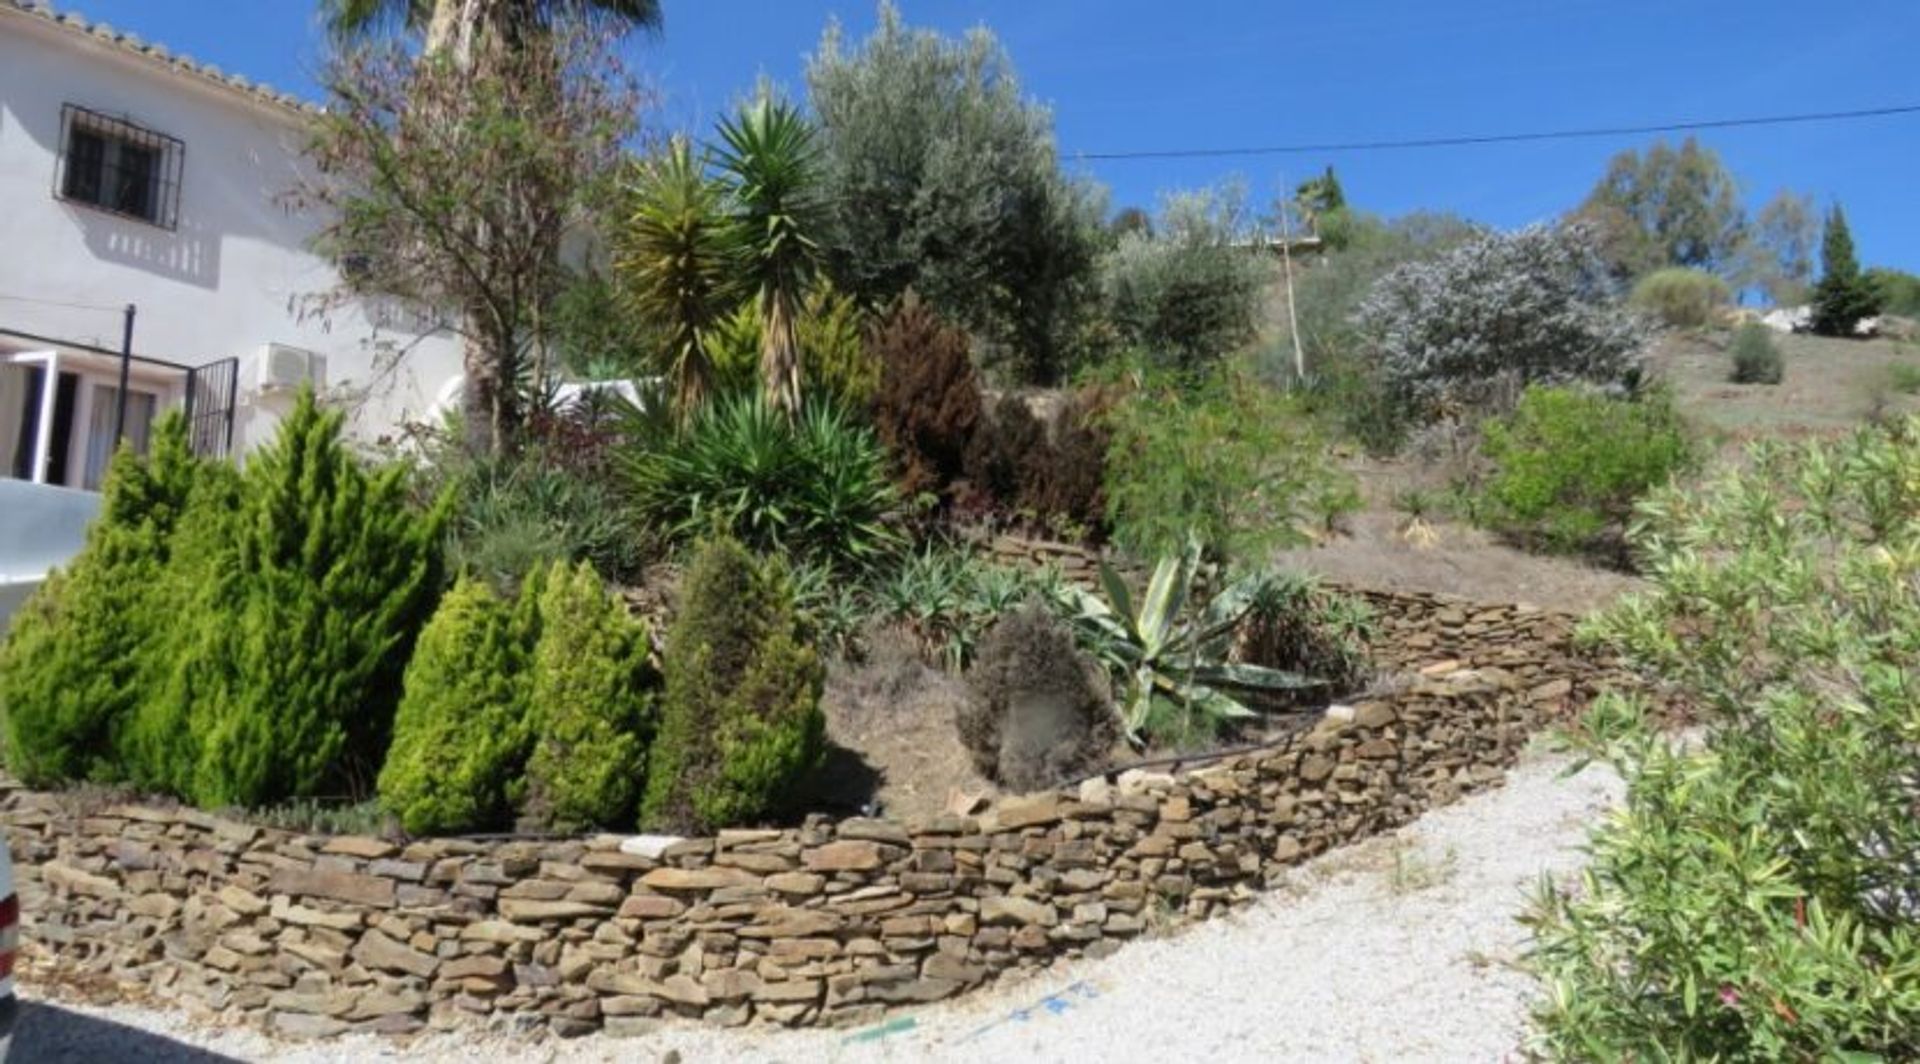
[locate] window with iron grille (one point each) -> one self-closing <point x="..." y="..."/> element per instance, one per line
<point x="111" y="164"/>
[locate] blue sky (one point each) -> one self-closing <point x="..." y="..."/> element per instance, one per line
<point x="1125" y="75"/>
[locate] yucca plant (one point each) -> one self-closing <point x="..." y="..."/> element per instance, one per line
<point x="1170" y="649"/>
<point x="817" y="488"/>
<point x="767" y="153"/>
<point x="675" y="259"/>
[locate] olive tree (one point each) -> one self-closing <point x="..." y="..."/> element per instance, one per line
<point x="942" y="177"/>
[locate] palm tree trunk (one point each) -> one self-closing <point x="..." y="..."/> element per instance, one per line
<point x="780" y="352"/>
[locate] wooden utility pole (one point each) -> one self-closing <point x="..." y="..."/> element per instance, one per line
<point x="1286" y="269"/>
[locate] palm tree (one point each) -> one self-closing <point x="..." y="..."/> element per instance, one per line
<point x="457" y="24"/>
<point x="768" y="154"/>
<point x="676" y="261"/>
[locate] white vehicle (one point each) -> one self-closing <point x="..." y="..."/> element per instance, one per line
<point x="9" y="949"/>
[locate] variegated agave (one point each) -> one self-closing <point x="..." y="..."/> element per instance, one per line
<point x="1169" y="647"/>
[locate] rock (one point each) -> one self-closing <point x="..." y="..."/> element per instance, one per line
<point x="1010" y="910"/>
<point x="527" y="910"/>
<point x="791" y="923"/>
<point x="500" y="932"/>
<point x="360" y="846"/>
<point x="696" y="879"/>
<point x="476" y="966"/>
<point x="788" y="991"/>
<point x="339" y="886"/>
<point x="844" y="856"/>
<point x="75" y="881"/>
<point x="650" y="847"/>
<point x="650" y="907"/>
<point x="376" y="950"/>
<point x="306" y="1025"/>
<point x="244" y="902"/>
<point x="799" y="883"/>
<point x="873" y="831"/>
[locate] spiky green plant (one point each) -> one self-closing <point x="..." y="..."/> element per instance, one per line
<point x="767" y="151"/>
<point x="676" y="259"/>
<point x="1168" y="648"/>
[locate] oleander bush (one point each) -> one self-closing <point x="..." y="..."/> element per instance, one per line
<point x="1756" y="898"/>
<point x="740" y="722"/>
<point x="1568" y="464"/>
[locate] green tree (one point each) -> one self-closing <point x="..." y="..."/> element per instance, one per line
<point x="676" y="261"/>
<point x="1188" y="295"/>
<point x="592" y="704"/>
<point x="1778" y="255"/>
<point x="80" y="655"/>
<point x="305" y="631"/>
<point x="1843" y="297"/>
<point x="741" y="727"/>
<point x="768" y="153"/>
<point x="451" y="186"/>
<point x="1667" y="207"/>
<point x="460" y="736"/>
<point x="942" y="177"/>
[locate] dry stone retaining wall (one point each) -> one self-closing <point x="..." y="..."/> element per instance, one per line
<point x="830" y="922"/>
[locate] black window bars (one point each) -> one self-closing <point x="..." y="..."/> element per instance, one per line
<point x="113" y="165"/>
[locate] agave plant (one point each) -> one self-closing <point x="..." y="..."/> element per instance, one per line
<point x="1168" y="647"/>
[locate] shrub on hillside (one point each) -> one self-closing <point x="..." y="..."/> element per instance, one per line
<point x="1756" y="358"/>
<point x="305" y="636"/>
<point x="740" y="725"/>
<point x="1843" y="297"/>
<point x="1568" y="464"/>
<point x="460" y="735"/>
<point x="1296" y="624"/>
<point x="928" y="402"/>
<point x="1681" y="298"/>
<point x="85" y="648"/>
<point x="817" y="487"/>
<point x="1040" y="713"/>
<point x="1899" y="291"/>
<point x="1231" y="462"/>
<point x="1474" y="327"/>
<point x="1184" y="293"/>
<point x="835" y="361"/>
<point x="1053" y="477"/>
<point x="592" y="711"/>
<point x="1755" y="899"/>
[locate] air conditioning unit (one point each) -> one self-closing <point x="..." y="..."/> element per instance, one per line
<point x="281" y="368"/>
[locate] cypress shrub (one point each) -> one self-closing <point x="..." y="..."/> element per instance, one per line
<point x="928" y="402"/>
<point x="460" y="734"/>
<point x="741" y="726"/>
<point x="1756" y="358"/>
<point x="78" y="657"/>
<point x="592" y="709"/>
<point x="308" y="623"/>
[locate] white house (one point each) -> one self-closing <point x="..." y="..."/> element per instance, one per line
<point x="134" y="177"/>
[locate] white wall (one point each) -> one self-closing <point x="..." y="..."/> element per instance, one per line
<point x="229" y="279"/>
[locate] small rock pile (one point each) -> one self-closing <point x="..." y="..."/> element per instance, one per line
<point x="831" y="922"/>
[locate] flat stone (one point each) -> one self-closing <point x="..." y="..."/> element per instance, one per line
<point x="791" y="923"/>
<point x="339" y="886"/>
<point x="649" y="847"/>
<point x="287" y="912"/>
<point x="1010" y="910"/>
<point x="154" y="906"/>
<point x="376" y="950"/>
<point x="799" y="883"/>
<point x="697" y="879"/>
<point x="501" y="932"/>
<point x="1031" y="810"/>
<point x="527" y="910"/>
<point x="650" y="907"/>
<point x="306" y="1025"/>
<point x="789" y="990"/>
<point x="873" y="830"/>
<point x="361" y="846"/>
<point x="76" y="881"/>
<point x="849" y="855"/>
<point x="478" y="966"/>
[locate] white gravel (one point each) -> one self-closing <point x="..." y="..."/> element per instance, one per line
<point x="1400" y="949"/>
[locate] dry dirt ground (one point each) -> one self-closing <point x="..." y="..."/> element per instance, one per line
<point x="1829" y="385"/>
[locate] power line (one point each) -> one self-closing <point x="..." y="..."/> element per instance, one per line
<point x="1506" y="138"/>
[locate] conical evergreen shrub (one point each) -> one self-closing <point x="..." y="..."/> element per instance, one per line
<point x="592" y="709"/>
<point x="308" y="624"/>
<point x="741" y="726"/>
<point x="79" y="655"/>
<point x="460" y="735"/>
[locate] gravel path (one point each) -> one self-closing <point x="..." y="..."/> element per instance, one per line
<point x="1399" y="949"/>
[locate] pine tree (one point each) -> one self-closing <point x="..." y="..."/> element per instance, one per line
<point x="741" y="726"/>
<point x="1843" y="297"/>
<point x="306" y="626"/>
<point x="79" y="658"/>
